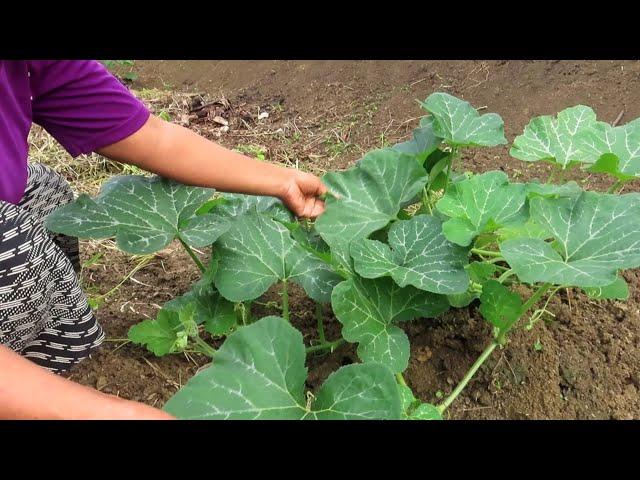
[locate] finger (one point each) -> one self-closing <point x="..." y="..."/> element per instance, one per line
<point x="318" y="209"/>
<point x="308" y="207"/>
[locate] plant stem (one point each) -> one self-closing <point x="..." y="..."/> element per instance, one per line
<point x="285" y="300"/>
<point x="487" y="351"/>
<point x="192" y="255"/>
<point x="615" y="186"/>
<point x="401" y="379"/>
<point x="505" y="275"/>
<point x="319" y="318"/>
<point x="474" y="368"/>
<point x="454" y="151"/>
<point x="204" y="347"/>
<point x="485" y="253"/>
<point x="325" y="346"/>
<point x="554" y="170"/>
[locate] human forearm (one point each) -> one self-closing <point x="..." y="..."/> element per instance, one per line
<point x="28" y="392"/>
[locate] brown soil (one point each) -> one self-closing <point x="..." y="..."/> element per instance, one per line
<point x="329" y="114"/>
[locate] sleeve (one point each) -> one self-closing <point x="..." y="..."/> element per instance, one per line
<point x="82" y="105"/>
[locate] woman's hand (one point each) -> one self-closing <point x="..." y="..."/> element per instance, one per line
<point x="301" y="194"/>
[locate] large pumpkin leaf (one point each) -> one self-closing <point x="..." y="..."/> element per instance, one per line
<point x="259" y="373"/>
<point x="367" y="197"/>
<point x="459" y="124"/>
<point x="144" y="214"/>
<point x="418" y="254"/>
<point x="482" y="204"/>
<point x="595" y="236"/>
<point x="556" y="140"/>
<point x="257" y="252"/>
<point x="368" y="310"/>
<point x="616" y="150"/>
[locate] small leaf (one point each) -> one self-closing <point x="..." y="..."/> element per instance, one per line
<point x="459" y="124"/>
<point x="499" y="306"/>
<point x="160" y="336"/>
<point x="426" y="411"/>
<point x="556" y="140"/>
<point x="482" y="204"/>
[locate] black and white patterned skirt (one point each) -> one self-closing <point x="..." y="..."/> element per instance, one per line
<point x="44" y="315"/>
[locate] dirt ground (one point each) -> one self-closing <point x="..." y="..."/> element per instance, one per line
<point x="323" y="115"/>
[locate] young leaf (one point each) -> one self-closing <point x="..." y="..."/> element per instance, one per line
<point x="568" y="189"/>
<point x="499" y="306"/>
<point x="616" y="150"/>
<point x="367" y="310"/>
<point x="257" y="252"/>
<point x="459" y="124"/>
<point x="418" y="254"/>
<point x="209" y="308"/>
<point x="482" y="204"/>
<point x="161" y="336"/>
<point x="144" y="214"/>
<point x="618" y="290"/>
<point x="369" y="196"/>
<point x="596" y="235"/>
<point x="556" y="140"/>
<point x="413" y="409"/>
<point x="259" y="373"/>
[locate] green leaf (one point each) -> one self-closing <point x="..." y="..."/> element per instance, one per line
<point x="568" y="189"/>
<point x="370" y="195"/>
<point x="500" y="306"/>
<point x="209" y="308"/>
<point x="259" y="373"/>
<point x="556" y="140"/>
<point x="480" y="272"/>
<point x="257" y="252"/>
<point x="595" y="236"/>
<point x="418" y="254"/>
<point x="618" y="290"/>
<point x="368" y="309"/>
<point x="144" y="214"/>
<point x="482" y="204"/>
<point x="162" y="335"/>
<point x="235" y="205"/>
<point x="413" y="409"/>
<point x="423" y="143"/>
<point x="459" y="124"/>
<point x="616" y="150"/>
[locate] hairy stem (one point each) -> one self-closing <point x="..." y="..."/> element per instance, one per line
<point x="505" y="275"/>
<point x="463" y="383"/>
<point x="331" y="346"/>
<point x="320" y="320"/>
<point x="486" y="253"/>
<point x="192" y="255"/>
<point x="204" y="347"/>
<point x="401" y="379"/>
<point x="452" y="157"/>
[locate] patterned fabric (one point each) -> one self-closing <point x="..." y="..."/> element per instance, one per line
<point x="44" y="315"/>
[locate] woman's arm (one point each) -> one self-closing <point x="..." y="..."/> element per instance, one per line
<point x="29" y="392"/>
<point x="178" y="153"/>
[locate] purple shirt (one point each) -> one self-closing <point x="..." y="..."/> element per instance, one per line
<point x="79" y="103"/>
